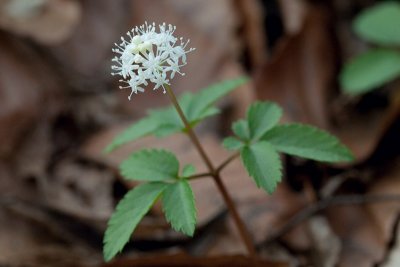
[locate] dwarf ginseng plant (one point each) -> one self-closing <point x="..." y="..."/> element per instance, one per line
<point x="153" y="55"/>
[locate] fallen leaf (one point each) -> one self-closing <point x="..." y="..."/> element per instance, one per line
<point x="47" y="22"/>
<point x="301" y="72"/>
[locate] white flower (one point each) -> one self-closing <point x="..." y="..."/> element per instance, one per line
<point x="149" y="56"/>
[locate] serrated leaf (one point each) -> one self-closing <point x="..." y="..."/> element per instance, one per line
<point x="211" y="111"/>
<point x="206" y="97"/>
<point x="188" y="170"/>
<point x="232" y="143"/>
<point x="307" y="142"/>
<point x="167" y="130"/>
<point x="241" y="129"/>
<point x="165" y="121"/>
<point x="261" y="117"/>
<point x="370" y="70"/>
<point x="166" y="118"/>
<point x="195" y="106"/>
<point x="150" y="165"/>
<point x="139" y="129"/>
<point x="263" y="164"/>
<point x="179" y="207"/>
<point x="127" y="215"/>
<point x="380" y="24"/>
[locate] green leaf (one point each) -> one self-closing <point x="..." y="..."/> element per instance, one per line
<point x="166" y="118"/>
<point x="211" y="111"/>
<point x="241" y="129"/>
<point x="128" y="213"/>
<point x="188" y="170"/>
<point x="262" y="163"/>
<point x="370" y="70"/>
<point x="380" y="24"/>
<point x="232" y="143"/>
<point x="179" y="207"/>
<point x="150" y="165"/>
<point x="166" y="130"/>
<point x="165" y="121"/>
<point x="307" y="142"/>
<point x="261" y="117"/>
<point x="203" y="99"/>
<point x="139" y="129"/>
<point x="195" y="106"/>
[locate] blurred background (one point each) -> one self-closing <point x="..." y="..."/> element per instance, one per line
<point x="60" y="107"/>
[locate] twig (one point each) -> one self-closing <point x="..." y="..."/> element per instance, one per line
<point x="335" y="182"/>
<point x="323" y="204"/>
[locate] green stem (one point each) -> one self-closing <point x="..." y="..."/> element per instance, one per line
<point x="244" y="234"/>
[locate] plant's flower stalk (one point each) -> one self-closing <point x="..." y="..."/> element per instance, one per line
<point x="148" y="56"/>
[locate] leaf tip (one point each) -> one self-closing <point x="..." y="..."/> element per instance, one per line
<point x="108" y="253"/>
<point x="348" y="156"/>
<point x="107" y="257"/>
<point x="189" y="232"/>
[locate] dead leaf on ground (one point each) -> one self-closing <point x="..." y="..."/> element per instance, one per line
<point x="386" y="215"/>
<point x="27" y="240"/>
<point x="362" y="241"/>
<point x="301" y="73"/>
<point x="47" y="21"/>
<point x="20" y="95"/>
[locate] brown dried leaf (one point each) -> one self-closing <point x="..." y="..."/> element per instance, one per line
<point x="47" y="22"/>
<point x="29" y="238"/>
<point x="301" y="73"/>
<point x="362" y="241"/>
<point x="20" y="95"/>
<point x="384" y="215"/>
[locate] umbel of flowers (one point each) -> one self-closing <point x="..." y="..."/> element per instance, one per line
<point x="149" y="56"/>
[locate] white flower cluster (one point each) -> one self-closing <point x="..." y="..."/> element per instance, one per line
<point x="149" y="56"/>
